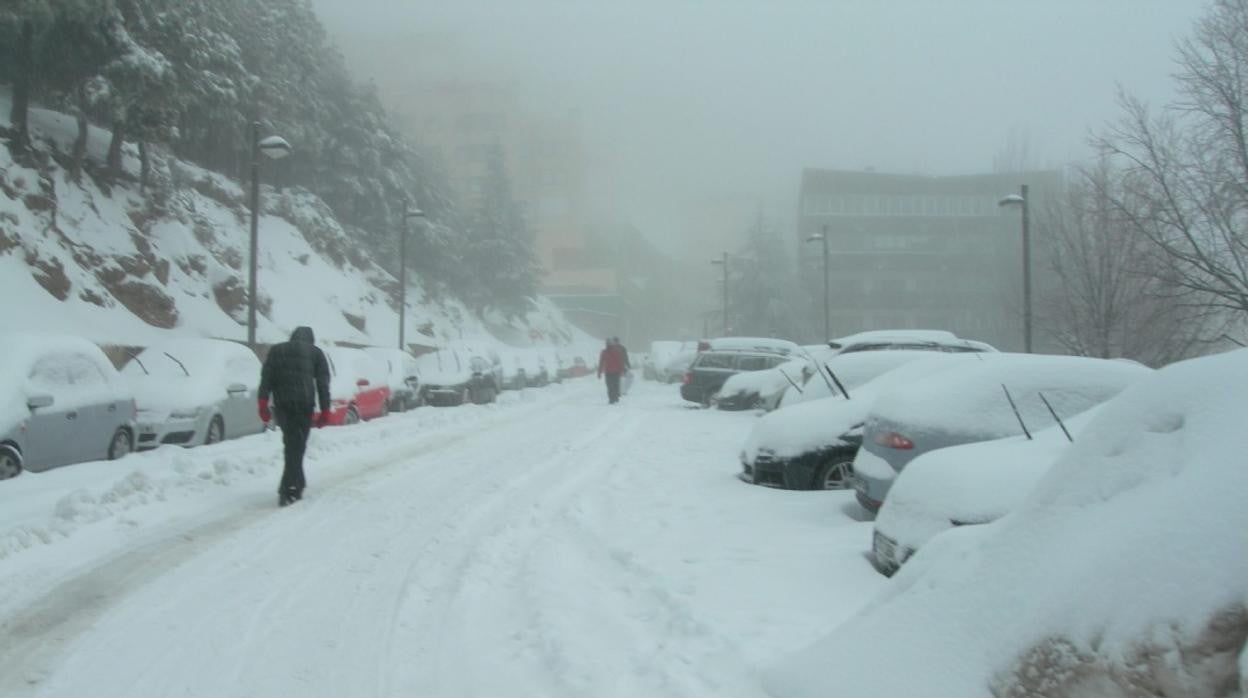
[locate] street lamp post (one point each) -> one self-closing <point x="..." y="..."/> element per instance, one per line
<point x="827" y="321"/>
<point x="1021" y="200"/>
<point x="724" y="263"/>
<point x="409" y="215"/>
<point x="275" y="148"/>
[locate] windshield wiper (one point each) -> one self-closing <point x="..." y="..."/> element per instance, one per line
<point x="179" y="363"/>
<point x="837" y="381"/>
<point x="1054" y="413"/>
<point x="137" y="360"/>
<point x="1014" y="407"/>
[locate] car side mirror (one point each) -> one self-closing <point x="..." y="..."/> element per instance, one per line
<point x="36" y="402"/>
<point x="236" y="389"/>
<point x="363" y="383"/>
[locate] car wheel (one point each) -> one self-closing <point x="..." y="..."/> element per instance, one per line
<point x="835" y="474"/>
<point x="10" y="462"/>
<point x="120" y="445"/>
<point x="353" y="416"/>
<point x="216" y="431"/>
<point x="465" y="396"/>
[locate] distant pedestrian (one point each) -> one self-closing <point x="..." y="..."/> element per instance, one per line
<point x="612" y="362"/>
<point x="296" y="376"/>
<point x="626" y="382"/>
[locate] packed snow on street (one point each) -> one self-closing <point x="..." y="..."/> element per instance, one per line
<point x="547" y="545"/>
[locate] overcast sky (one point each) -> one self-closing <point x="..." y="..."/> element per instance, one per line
<point x="692" y="102"/>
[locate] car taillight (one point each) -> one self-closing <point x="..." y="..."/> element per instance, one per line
<point x="688" y="378"/>
<point x="891" y="439"/>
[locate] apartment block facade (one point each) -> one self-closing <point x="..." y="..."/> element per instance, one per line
<point x="913" y="251"/>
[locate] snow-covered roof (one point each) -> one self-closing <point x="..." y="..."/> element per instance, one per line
<point x="766" y="344"/>
<point x="971" y="396"/>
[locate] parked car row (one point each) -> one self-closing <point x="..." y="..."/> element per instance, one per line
<point x="928" y="439"/>
<point x="63" y="401"/>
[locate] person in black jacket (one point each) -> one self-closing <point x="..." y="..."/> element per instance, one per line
<point x="296" y="376"/>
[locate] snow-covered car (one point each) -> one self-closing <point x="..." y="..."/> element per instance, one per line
<point x="761" y="389"/>
<point x="193" y="391"/>
<point x="661" y="352"/>
<point x="402" y="377"/>
<point x="452" y="378"/>
<point x="974" y="483"/>
<point x="533" y="364"/>
<point x="358" y="385"/>
<point x="852" y="366"/>
<point x="580" y="368"/>
<point x="812" y="445"/>
<point x="676" y="367"/>
<point x="62" y="403"/>
<point x="556" y="364"/>
<point x="512" y="370"/>
<point x="1122" y="573"/>
<point x="714" y="367"/>
<point x="971" y="403"/>
<point x="490" y="354"/>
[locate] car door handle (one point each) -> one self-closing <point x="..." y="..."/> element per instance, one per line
<point x="71" y="415"/>
<point x="112" y="408"/>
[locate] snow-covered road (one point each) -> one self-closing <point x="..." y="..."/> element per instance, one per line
<point x="548" y="546"/>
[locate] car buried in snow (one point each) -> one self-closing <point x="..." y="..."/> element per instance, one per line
<point x="62" y="403"/>
<point x="402" y="377"/>
<point x="193" y="391"/>
<point x="980" y="401"/>
<point x="358" y="386"/>
<point x="453" y="378"/>
<point x="811" y="445"/>
<point x="971" y="484"/>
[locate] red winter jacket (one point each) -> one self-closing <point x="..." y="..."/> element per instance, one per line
<point x="611" y="360"/>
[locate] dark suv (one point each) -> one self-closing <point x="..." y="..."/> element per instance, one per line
<point x="712" y="369"/>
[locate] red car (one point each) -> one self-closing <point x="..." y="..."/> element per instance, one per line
<point x="358" y="386"/>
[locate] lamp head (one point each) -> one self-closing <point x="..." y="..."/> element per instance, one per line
<point x="274" y="147"/>
<point x="1011" y="200"/>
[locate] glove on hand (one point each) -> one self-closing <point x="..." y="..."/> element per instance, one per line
<point x="265" y="415"/>
<point x="322" y="419"/>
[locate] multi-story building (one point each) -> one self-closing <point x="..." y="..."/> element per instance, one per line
<point x="910" y="251"/>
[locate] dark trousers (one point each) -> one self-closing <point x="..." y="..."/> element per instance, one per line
<point x="613" y="387"/>
<point x="295" y="430"/>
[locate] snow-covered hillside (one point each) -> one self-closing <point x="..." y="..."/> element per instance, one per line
<point x="121" y="266"/>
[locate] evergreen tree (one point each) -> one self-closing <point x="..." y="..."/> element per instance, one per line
<point x="501" y="252"/>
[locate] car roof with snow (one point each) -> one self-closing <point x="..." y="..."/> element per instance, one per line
<point x="756" y="344"/>
<point x="971" y="397"/>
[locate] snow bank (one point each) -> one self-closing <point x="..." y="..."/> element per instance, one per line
<point x="1125" y="572"/>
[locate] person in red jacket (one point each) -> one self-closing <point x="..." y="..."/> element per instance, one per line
<point x="612" y="362"/>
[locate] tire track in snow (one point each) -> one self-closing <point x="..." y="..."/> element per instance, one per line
<point x="32" y="640"/>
